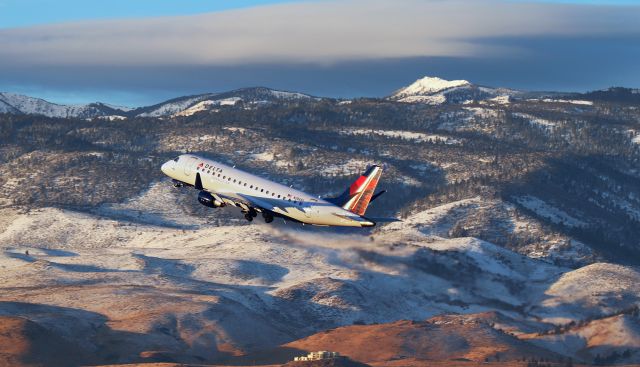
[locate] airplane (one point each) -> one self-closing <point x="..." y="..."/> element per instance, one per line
<point x="221" y="185"/>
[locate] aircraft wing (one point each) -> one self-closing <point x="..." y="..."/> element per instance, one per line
<point x="247" y="202"/>
<point x="266" y="204"/>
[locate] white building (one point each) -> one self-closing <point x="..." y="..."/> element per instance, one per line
<point x="316" y="356"/>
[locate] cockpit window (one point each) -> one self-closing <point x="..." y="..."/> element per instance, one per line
<point x="176" y="159"/>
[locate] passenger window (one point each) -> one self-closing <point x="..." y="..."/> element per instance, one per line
<point x="251" y="187"/>
<point x="261" y="190"/>
<point x="278" y="196"/>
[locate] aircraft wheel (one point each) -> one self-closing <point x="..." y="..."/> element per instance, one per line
<point x="248" y="217"/>
<point x="268" y="218"/>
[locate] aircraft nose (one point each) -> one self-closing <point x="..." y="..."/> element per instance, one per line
<point x="165" y="168"/>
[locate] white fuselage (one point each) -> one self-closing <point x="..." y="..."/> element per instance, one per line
<point x="236" y="187"/>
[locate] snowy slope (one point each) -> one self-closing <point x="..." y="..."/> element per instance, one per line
<point x="5" y="107"/>
<point x="16" y="103"/>
<point x="591" y="291"/>
<point x="177" y="282"/>
<point x="207" y="105"/>
<point x="618" y="334"/>
<point x="170" y="107"/>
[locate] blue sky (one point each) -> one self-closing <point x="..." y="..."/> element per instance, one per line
<point x="119" y="51"/>
<point x="21" y="13"/>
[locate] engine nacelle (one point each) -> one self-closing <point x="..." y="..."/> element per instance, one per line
<point x="208" y="200"/>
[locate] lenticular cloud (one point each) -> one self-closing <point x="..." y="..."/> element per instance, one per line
<point x="318" y="33"/>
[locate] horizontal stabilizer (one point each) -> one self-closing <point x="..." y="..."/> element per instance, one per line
<point x="377" y="196"/>
<point x="384" y="220"/>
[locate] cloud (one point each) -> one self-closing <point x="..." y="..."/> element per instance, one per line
<point x="330" y="48"/>
<point x="317" y="32"/>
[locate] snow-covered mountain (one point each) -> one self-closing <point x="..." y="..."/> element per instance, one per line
<point x="436" y="91"/>
<point x="427" y="90"/>
<point x="181" y="106"/>
<point x="187" y="106"/>
<point x="20" y="104"/>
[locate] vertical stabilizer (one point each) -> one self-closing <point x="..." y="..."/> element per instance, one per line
<point x="357" y="197"/>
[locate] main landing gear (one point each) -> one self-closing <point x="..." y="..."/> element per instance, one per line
<point x="250" y="215"/>
<point x="268" y="217"/>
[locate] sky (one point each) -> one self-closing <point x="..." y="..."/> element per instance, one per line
<point x="140" y="52"/>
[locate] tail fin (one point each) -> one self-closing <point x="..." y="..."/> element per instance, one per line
<point x="357" y="197"/>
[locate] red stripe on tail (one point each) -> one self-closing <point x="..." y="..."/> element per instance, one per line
<point x="364" y="194"/>
<point x="356" y="185"/>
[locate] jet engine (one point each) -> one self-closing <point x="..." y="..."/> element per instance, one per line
<point x="208" y="200"/>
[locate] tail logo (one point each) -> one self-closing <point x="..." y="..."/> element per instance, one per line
<point x="362" y="190"/>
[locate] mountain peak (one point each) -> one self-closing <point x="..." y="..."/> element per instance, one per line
<point x="437" y="91"/>
<point x="430" y="85"/>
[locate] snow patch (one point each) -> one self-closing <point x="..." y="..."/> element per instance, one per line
<point x="503" y="100"/>
<point x="288" y="95"/>
<point x="479" y="112"/>
<point x="570" y="101"/>
<point x="264" y="157"/>
<point x="172" y="108"/>
<point x="405" y="135"/>
<point x="235" y="129"/>
<point x="112" y="118"/>
<point x="348" y="168"/>
<point x="549" y="212"/>
<point x="536" y="121"/>
<point x="207" y="105"/>
<point x="430" y="100"/>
